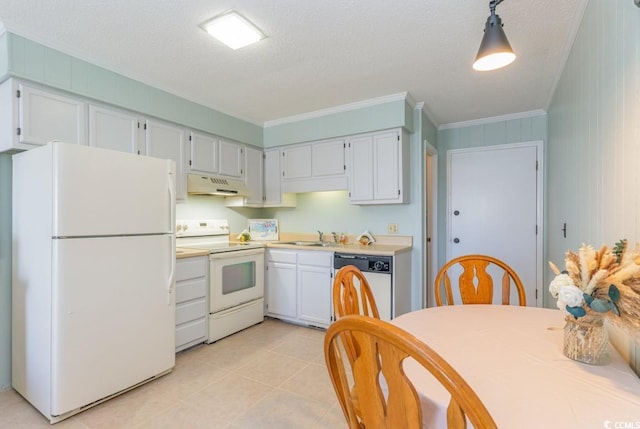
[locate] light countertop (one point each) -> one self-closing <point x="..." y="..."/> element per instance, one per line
<point x="385" y="245"/>
<point x="185" y="252"/>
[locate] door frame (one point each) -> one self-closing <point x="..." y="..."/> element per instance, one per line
<point x="538" y="145"/>
<point x="430" y="198"/>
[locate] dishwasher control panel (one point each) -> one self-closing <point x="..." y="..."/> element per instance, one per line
<point x="365" y="263"/>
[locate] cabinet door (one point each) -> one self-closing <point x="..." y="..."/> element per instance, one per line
<point x="253" y="175"/>
<point x="361" y="169"/>
<point x="314" y="294"/>
<point x="327" y="159"/>
<point x="113" y="129"/>
<point x="45" y="116"/>
<point x="203" y="153"/>
<point x="386" y="163"/>
<point x="272" y="192"/>
<point x="296" y="162"/>
<point x="281" y="289"/>
<point x="231" y="159"/>
<point x="273" y="195"/>
<point x="167" y="142"/>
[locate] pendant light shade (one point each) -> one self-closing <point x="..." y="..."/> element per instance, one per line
<point x="495" y="51"/>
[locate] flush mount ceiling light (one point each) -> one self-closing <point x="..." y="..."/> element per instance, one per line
<point x="495" y="51"/>
<point x="233" y="30"/>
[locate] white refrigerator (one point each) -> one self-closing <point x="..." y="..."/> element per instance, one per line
<point x="93" y="307"/>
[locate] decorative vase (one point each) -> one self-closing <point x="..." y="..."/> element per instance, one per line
<point x="586" y="340"/>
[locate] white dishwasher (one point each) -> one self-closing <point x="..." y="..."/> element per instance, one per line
<point x="378" y="272"/>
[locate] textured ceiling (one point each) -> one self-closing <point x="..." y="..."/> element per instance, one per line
<point x="318" y="54"/>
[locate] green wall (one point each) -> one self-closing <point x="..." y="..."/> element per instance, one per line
<point x="390" y="114"/>
<point x="5" y="270"/>
<point x="33" y="61"/>
<point x="594" y="139"/>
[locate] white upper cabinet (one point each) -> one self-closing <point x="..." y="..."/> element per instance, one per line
<point x="167" y="141"/>
<point x="203" y="153"/>
<point x="296" y="162"/>
<point x="377" y="166"/>
<point x="327" y="159"/>
<point x="273" y="195"/>
<point x="253" y="176"/>
<point x="31" y="117"/>
<point x="231" y="159"/>
<point x="263" y="177"/>
<point x="317" y="166"/>
<point x="114" y="129"/>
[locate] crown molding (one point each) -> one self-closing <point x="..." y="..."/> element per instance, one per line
<point x="338" y="109"/>
<point x="493" y="119"/>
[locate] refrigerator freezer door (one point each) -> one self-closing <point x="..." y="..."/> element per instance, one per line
<point x="113" y="316"/>
<point x="100" y="192"/>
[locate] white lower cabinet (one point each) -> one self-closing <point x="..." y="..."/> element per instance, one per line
<point x="192" y="297"/>
<point x="299" y="284"/>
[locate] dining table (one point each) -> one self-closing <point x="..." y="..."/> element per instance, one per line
<point x="512" y="357"/>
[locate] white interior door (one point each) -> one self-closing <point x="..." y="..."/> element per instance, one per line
<point x="494" y="209"/>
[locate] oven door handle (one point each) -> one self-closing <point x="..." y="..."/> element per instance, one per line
<point x="236" y="253"/>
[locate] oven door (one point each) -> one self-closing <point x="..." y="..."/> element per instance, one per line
<point x="235" y="278"/>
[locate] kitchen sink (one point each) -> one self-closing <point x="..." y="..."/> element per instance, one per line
<point x="310" y="243"/>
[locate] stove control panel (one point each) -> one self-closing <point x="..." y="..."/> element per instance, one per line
<point x="200" y="227"/>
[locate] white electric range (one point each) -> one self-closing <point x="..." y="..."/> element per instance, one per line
<point x="236" y="275"/>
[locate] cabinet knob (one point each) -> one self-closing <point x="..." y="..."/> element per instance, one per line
<point x="456" y="240"/>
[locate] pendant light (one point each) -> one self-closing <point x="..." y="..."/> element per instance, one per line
<point x="495" y="51"/>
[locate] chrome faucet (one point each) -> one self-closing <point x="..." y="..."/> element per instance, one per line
<point x="320" y="235"/>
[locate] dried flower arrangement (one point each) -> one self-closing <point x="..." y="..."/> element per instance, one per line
<point x="601" y="283"/>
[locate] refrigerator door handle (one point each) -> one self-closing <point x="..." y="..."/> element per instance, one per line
<point x="172" y="197"/>
<point x="172" y="273"/>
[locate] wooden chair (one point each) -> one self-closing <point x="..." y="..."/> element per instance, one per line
<point x="381" y="350"/>
<point x="475" y="272"/>
<point x="349" y="298"/>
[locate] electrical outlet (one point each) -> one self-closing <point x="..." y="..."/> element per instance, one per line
<point x="393" y="228"/>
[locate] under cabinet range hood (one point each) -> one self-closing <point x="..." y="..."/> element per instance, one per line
<point x="216" y="185"/>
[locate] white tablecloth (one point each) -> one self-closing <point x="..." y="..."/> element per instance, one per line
<point x="512" y="357"/>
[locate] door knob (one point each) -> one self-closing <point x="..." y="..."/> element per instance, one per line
<point x="456" y="240"/>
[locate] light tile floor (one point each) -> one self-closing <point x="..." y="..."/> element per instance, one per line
<point x="271" y="375"/>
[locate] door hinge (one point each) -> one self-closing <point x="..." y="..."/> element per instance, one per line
<point x="283" y="174"/>
<point x="190" y="164"/>
<point x="398" y="192"/>
<point x="138" y="151"/>
<point x="344" y="167"/>
<point x="190" y="137"/>
<point x="19" y="131"/>
<point x="536" y="165"/>
<point x="18" y="93"/>
<point x="145" y="126"/>
<point x="344" y="145"/>
<point x="138" y="125"/>
<point x="398" y="137"/>
<point x="536" y="229"/>
<point x="536" y="294"/>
